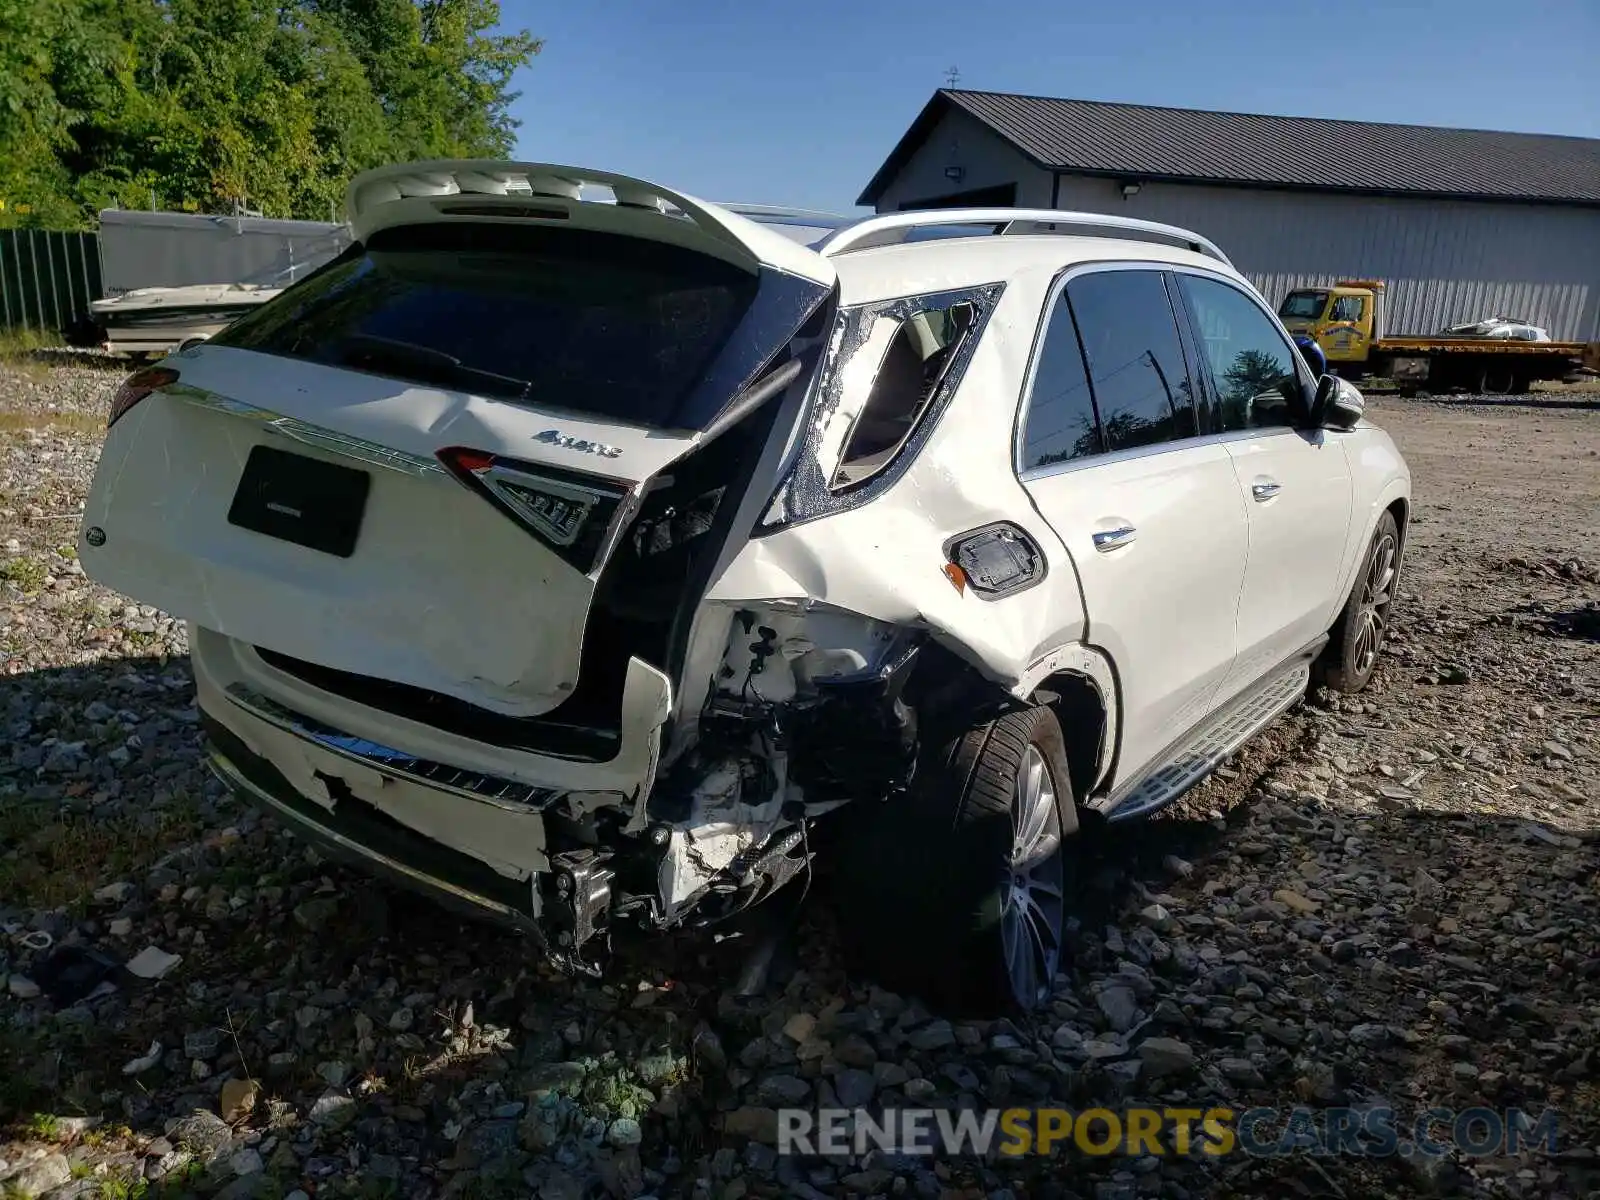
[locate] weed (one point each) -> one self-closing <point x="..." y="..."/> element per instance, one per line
<point x="124" y="1187"/>
<point x="42" y="1126"/>
<point x="26" y="573"/>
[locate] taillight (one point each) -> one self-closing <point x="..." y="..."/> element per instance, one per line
<point x="136" y="387"/>
<point x="568" y="512"/>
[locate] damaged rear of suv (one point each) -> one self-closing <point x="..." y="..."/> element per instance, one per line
<point x="575" y="550"/>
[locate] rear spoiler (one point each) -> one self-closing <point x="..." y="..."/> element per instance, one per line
<point x="497" y="189"/>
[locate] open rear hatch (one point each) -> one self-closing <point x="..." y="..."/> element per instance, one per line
<point x="411" y="475"/>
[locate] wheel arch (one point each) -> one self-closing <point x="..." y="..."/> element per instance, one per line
<point x="1400" y="509"/>
<point x="1079" y="684"/>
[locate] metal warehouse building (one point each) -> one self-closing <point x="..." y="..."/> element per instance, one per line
<point x="1461" y="224"/>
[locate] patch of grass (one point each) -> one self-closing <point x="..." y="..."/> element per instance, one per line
<point x="27" y="573"/>
<point x="19" y="343"/>
<point x="86" y="424"/>
<point x="20" y="351"/>
<point x="106" y="1135"/>
<point x="57" y="860"/>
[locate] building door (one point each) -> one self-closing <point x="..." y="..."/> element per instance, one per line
<point x="1003" y="196"/>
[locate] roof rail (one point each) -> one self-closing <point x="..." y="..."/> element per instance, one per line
<point x="892" y="228"/>
<point x="778" y="215"/>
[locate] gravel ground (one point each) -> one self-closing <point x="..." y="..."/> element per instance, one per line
<point x="1386" y="900"/>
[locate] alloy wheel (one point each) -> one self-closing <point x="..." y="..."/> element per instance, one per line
<point x="1033" y="910"/>
<point x="1372" y="616"/>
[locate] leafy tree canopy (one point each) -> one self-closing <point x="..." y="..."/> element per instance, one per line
<point x="203" y="105"/>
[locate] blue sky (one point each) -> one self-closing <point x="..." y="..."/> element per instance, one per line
<point x="791" y="103"/>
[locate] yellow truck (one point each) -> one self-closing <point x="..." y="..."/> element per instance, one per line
<point x="1347" y="322"/>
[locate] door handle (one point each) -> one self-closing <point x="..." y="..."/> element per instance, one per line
<point x="1265" y="491"/>
<point x="1109" y="539"/>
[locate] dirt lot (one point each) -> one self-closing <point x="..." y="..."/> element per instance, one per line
<point x="1386" y="902"/>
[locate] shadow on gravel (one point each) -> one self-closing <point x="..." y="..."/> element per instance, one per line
<point x="376" y="1027"/>
<point x="1581" y="621"/>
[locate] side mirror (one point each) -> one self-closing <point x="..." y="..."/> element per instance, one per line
<point x="1312" y="353"/>
<point x="1338" y="404"/>
<point x="190" y="343"/>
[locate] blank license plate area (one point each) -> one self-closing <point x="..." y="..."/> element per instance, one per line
<point x="301" y="500"/>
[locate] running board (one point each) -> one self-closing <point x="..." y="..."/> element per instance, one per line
<point x="1209" y="746"/>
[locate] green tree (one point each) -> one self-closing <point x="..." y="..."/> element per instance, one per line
<point x="206" y="104"/>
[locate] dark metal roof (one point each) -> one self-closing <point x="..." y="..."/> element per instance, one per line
<point x="1243" y="149"/>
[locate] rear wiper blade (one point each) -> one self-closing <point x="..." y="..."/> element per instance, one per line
<point x="368" y="349"/>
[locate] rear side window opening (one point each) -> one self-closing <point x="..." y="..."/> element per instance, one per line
<point x="920" y="349"/>
<point x="601" y="324"/>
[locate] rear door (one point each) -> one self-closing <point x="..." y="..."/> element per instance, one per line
<point x="1151" y="513"/>
<point x="1294" y="482"/>
<point x="414" y="464"/>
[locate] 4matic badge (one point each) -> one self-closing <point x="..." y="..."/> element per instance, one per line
<point x="554" y="437"/>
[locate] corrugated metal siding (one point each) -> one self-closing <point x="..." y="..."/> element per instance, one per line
<point x="1445" y="262"/>
<point x="47" y="278"/>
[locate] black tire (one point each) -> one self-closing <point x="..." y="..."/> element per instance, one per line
<point x="1347" y="663"/>
<point x="1497" y="380"/>
<point x="930" y="901"/>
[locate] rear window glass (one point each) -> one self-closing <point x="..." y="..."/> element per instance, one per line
<point x="590" y="322"/>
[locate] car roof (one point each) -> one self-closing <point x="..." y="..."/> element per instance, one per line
<point x="934" y="265"/>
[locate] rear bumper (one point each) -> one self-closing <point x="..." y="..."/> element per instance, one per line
<point x="476" y="840"/>
<point x="245" y="693"/>
<point x="564" y="904"/>
<point x="359" y="834"/>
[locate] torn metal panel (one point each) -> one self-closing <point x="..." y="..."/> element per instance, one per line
<point x="953" y="476"/>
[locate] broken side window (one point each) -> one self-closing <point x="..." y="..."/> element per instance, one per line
<point x="913" y="355"/>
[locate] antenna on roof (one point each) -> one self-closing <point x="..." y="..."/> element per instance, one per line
<point x="952" y="76"/>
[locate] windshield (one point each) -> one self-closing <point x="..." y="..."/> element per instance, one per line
<point x="590" y="322"/>
<point x="1303" y="304"/>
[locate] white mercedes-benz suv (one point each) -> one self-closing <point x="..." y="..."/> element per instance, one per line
<point x="585" y="553"/>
